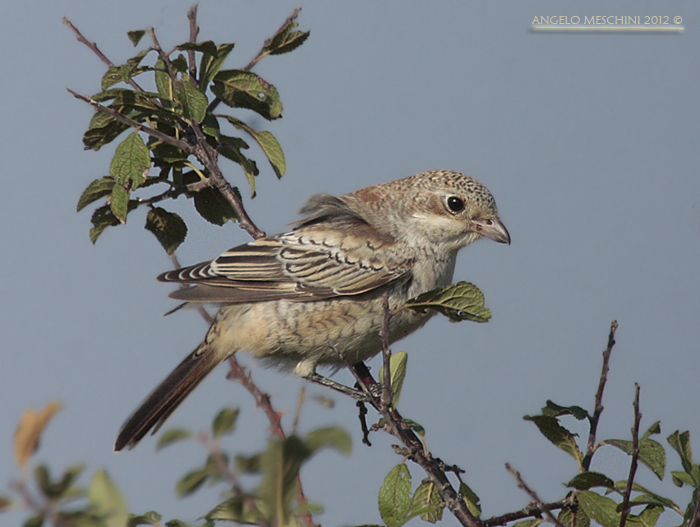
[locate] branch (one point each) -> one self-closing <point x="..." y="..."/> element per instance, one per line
<point x="415" y="449"/>
<point x="635" y="459"/>
<point x="541" y="506"/>
<point x="96" y="51"/>
<point x="183" y="145"/>
<point x="208" y="157"/>
<point x="386" y="396"/>
<point x="194" y="31"/>
<point x="531" y="510"/>
<point x="590" y="449"/>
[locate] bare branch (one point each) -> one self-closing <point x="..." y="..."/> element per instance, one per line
<point x="635" y="460"/>
<point x="386" y="396"/>
<point x="97" y="51"/>
<point x="194" y="31"/>
<point x="538" y="502"/>
<point x="590" y="449"/>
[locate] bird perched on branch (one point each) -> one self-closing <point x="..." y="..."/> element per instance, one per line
<point x="315" y="295"/>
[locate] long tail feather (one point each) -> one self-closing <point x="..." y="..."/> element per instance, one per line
<point x="167" y="396"/>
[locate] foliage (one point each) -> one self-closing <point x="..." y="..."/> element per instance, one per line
<point x="176" y="134"/>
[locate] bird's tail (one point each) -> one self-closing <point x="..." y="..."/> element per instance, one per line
<point x="163" y="401"/>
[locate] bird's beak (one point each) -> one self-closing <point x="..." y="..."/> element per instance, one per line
<point x="493" y="229"/>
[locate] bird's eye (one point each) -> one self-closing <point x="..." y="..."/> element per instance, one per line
<point x="455" y="204"/>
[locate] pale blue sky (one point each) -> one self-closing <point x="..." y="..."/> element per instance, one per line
<point x="589" y="142"/>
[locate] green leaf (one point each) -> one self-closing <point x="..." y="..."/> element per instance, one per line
<point x="164" y="84"/>
<point x="599" y="508"/>
<point x="470" y="498"/>
<point x="646" y="496"/>
<point x="243" y="509"/>
<point x="557" y="434"/>
<point x="680" y="442"/>
<point x="99" y="188"/>
<point x="554" y="410"/>
<point x="230" y="148"/>
<point x="651" y="453"/>
<point x="244" y="89"/>
<point x="56" y="489"/>
<point x="461" y="301"/>
<point x="207" y="47"/>
<point x="566" y="517"/>
<point x="292" y="40"/>
<point x="329" y="437"/>
<point x="191" y="481"/>
<point x="285" y="40"/>
<point x="280" y="465"/>
<point x="131" y="161"/>
<point x="533" y="523"/>
<point x="194" y="102"/>
<point x="649" y="516"/>
<point x="395" y="496"/>
<point x="679" y="478"/>
<point x="167" y="227"/>
<point x="174" y="435"/>
<point x="120" y="202"/>
<point x="653" y="429"/>
<point x="147" y="518"/>
<point x="103" y="217"/>
<point x="417" y="428"/>
<point x="103" y="129"/>
<point x="135" y="36"/>
<point x="106" y="501"/>
<point x="179" y="65"/>
<point x="224" y="422"/>
<point x="587" y="480"/>
<point x="210" y="65"/>
<point x="34" y="521"/>
<point x="427" y="502"/>
<point x="267" y="142"/>
<point x="248" y="465"/>
<point x="397" y="367"/>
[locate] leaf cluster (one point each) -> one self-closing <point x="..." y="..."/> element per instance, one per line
<point x="176" y="136"/>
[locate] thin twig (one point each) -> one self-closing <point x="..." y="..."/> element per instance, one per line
<point x="531" y="510"/>
<point x="635" y="460"/>
<point x="386" y="354"/>
<point x="182" y="145"/>
<point x="590" y="449"/>
<point x="540" y="505"/>
<point x="93" y="47"/>
<point x="194" y="31"/>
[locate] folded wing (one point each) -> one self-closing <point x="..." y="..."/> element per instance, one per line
<point x="332" y="253"/>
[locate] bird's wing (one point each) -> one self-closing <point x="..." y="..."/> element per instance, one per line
<point x="315" y="261"/>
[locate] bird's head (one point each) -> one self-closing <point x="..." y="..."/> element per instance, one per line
<point x="439" y="208"/>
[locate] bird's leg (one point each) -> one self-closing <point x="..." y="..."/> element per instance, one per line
<point x="329" y="383"/>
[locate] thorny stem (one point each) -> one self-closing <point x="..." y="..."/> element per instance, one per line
<point x="541" y="506"/>
<point x="635" y="460"/>
<point x="591" y="447"/>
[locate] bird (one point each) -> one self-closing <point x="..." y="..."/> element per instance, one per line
<point x="316" y="295"/>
